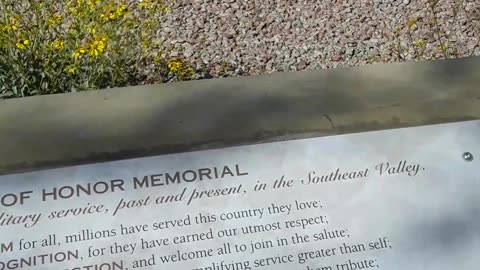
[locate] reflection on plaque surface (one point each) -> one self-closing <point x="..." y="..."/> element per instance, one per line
<point x="396" y="199"/>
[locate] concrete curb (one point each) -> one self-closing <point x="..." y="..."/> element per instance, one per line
<point x="70" y="129"/>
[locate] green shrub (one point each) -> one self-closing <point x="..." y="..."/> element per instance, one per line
<point x="50" y="47"/>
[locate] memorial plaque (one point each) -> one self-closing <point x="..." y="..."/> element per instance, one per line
<point x="395" y="199"/>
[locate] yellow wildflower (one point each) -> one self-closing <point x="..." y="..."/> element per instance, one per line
<point x="442" y="48"/>
<point x="97" y="48"/>
<point x="56" y="18"/>
<point x="412" y="23"/>
<point x="9" y="27"/>
<point x="164" y="8"/>
<point x="22" y="44"/>
<point x="93" y="3"/>
<point x="58" y="44"/>
<point x="73" y="11"/>
<point x="108" y="16"/>
<point x="91" y="29"/>
<point x="187" y="72"/>
<point x="80" y="51"/>
<point x="144" y="3"/>
<point x="101" y="38"/>
<point x="174" y="65"/>
<point x="72" y="70"/>
<point x="121" y="10"/>
<point x="12" y="26"/>
<point x="419" y="43"/>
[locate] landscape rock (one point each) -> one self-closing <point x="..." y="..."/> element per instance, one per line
<point x="264" y="36"/>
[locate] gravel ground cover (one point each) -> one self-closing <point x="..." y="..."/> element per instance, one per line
<point x="251" y="37"/>
<point x="54" y="46"/>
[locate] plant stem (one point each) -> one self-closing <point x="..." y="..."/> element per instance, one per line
<point x="444" y="49"/>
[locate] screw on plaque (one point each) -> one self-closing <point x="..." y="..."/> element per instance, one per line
<point x="467" y="156"/>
